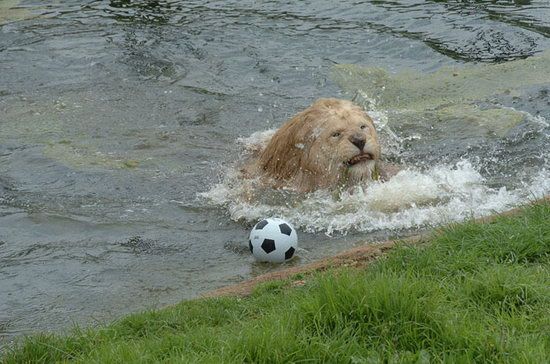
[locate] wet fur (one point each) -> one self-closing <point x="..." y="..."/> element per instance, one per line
<point x="310" y="151"/>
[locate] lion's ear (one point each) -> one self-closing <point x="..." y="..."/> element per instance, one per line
<point x="286" y="152"/>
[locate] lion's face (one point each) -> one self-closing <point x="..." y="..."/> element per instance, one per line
<point x="345" y="145"/>
<point x="331" y="143"/>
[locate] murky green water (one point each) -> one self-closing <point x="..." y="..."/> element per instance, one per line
<point x="120" y="119"/>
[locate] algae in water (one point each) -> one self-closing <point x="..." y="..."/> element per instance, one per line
<point x="449" y="96"/>
<point x="10" y="11"/>
<point x="449" y="85"/>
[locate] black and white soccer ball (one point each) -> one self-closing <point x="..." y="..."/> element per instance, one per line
<point x="273" y="240"/>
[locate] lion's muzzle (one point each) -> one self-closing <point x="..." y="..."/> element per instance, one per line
<point x="359" y="158"/>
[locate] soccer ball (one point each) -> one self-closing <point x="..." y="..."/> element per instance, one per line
<point x="273" y="240"/>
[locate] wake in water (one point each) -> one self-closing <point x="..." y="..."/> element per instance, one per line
<point x="416" y="197"/>
<point x="411" y="199"/>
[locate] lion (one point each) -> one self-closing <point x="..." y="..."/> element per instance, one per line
<point x="331" y="144"/>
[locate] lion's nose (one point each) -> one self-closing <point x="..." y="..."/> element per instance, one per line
<point x="358" y="141"/>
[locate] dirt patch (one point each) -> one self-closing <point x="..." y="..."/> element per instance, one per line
<point x="357" y="257"/>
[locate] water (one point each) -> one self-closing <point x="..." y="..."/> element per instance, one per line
<point x="120" y="123"/>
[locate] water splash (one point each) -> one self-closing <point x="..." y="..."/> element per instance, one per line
<point x="412" y="199"/>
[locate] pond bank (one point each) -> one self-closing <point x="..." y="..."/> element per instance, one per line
<point x="357" y="257"/>
<point x="476" y="291"/>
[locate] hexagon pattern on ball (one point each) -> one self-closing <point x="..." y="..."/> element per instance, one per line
<point x="273" y="240"/>
<point x="268" y="245"/>
<point x="285" y="229"/>
<point x="289" y="253"/>
<point x="261" y="224"/>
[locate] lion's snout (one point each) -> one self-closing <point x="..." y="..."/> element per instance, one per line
<point x="358" y="140"/>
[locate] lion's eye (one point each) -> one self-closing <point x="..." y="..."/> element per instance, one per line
<point x="336" y="134"/>
<point x="363" y="126"/>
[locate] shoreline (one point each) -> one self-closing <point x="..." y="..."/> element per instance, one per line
<point x="356" y="257"/>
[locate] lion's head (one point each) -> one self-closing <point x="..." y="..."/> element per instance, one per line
<point x="332" y="143"/>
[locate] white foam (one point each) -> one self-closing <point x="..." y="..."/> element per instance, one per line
<point x="256" y="141"/>
<point x="411" y="199"/>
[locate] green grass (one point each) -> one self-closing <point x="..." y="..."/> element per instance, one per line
<point x="473" y="293"/>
